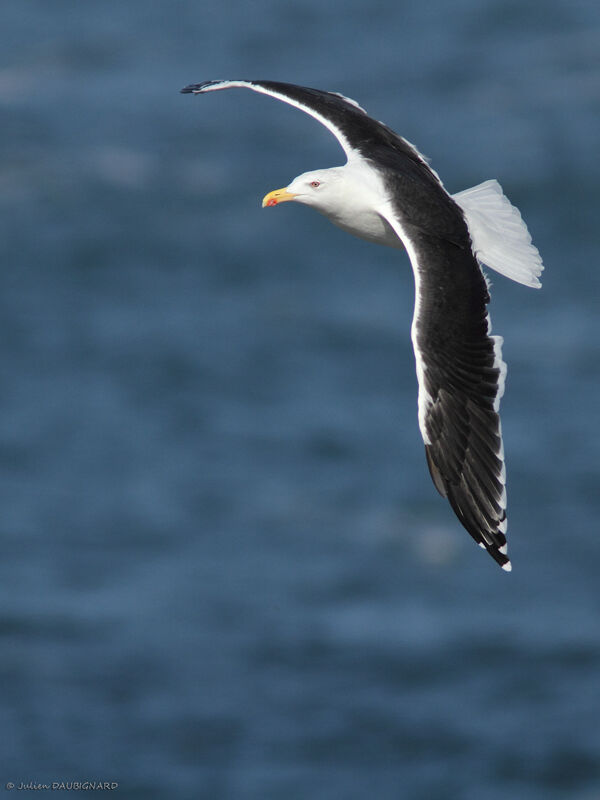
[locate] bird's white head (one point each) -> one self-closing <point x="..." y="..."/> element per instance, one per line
<point x="320" y="189"/>
<point x="348" y="196"/>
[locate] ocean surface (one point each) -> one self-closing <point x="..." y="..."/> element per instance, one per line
<point x="225" y="571"/>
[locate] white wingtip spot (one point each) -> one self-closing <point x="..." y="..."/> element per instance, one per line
<point x="502" y="500"/>
<point x="507" y="567"/>
<point x="502" y="476"/>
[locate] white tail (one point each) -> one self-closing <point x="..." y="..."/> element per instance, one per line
<point x="499" y="236"/>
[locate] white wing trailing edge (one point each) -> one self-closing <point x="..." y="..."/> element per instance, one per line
<point x="499" y="236"/>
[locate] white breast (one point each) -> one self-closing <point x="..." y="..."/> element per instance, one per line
<point x="354" y="202"/>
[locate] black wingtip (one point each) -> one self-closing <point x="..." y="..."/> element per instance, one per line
<point x="196" y="88"/>
<point x="501" y="559"/>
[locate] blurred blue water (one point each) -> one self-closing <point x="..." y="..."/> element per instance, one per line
<point x="225" y="571"/>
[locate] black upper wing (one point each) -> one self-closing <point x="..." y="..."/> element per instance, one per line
<point x="350" y="124"/>
<point x="461" y="377"/>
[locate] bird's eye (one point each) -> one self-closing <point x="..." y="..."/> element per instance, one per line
<point x="314" y="184"/>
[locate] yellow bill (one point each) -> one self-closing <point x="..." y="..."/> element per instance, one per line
<point x="277" y="196"/>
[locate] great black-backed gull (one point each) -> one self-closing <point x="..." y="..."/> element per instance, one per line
<point x="387" y="193"/>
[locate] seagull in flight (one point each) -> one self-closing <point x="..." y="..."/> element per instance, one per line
<point x="387" y="193"/>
